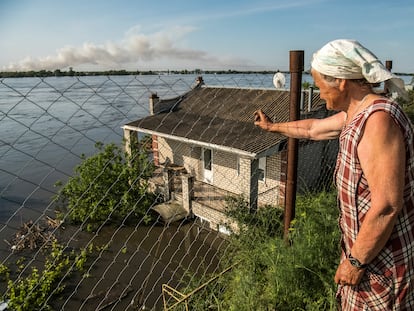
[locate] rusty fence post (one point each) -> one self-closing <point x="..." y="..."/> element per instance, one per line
<point x="296" y="66"/>
<point x="388" y="65"/>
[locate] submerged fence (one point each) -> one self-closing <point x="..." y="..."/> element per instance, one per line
<point x="48" y="126"/>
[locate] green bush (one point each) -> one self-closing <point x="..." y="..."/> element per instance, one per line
<point x="273" y="274"/>
<point x="34" y="291"/>
<point x="408" y="105"/>
<point x="108" y="187"/>
<point x="266" y="220"/>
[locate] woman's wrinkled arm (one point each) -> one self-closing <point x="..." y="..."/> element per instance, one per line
<point x="314" y="129"/>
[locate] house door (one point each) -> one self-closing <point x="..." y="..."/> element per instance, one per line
<point x="207" y="165"/>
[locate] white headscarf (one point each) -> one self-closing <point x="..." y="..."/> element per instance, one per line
<point x="348" y="59"/>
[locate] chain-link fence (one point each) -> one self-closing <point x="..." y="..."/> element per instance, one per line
<point x="203" y="147"/>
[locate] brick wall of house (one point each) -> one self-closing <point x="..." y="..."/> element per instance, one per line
<point x="233" y="174"/>
<point x="164" y="151"/>
<point x="213" y="217"/>
<point x="192" y="162"/>
<point x="183" y="155"/>
<point x="226" y="174"/>
<point x="155" y="153"/>
<point x="244" y="174"/>
<point x="315" y="163"/>
<point x="283" y="176"/>
<point x="271" y="190"/>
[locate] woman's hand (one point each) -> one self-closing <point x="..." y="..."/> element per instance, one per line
<point x="347" y="274"/>
<point x="262" y="120"/>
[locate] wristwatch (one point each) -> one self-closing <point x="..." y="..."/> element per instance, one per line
<point x="356" y="263"/>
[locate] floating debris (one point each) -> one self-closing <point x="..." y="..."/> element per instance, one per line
<point x="4" y="305"/>
<point x="54" y="223"/>
<point x="31" y="236"/>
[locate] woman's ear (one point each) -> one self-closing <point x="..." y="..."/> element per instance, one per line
<point x="342" y="84"/>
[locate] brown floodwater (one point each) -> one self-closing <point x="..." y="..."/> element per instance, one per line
<point x="128" y="265"/>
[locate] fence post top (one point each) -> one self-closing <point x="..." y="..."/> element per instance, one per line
<point x="296" y="60"/>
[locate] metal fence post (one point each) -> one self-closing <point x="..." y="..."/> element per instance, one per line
<point x="388" y="65"/>
<point x="296" y="65"/>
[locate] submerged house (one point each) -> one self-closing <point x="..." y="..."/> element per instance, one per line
<point x="207" y="139"/>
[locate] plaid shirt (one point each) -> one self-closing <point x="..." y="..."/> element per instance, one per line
<point x="389" y="279"/>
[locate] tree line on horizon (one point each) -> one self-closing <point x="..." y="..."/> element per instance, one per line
<point x="123" y="72"/>
<point x="71" y="72"/>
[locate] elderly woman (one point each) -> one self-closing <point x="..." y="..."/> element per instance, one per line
<point x="374" y="176"/>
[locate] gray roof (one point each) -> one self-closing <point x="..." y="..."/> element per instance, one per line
<point x="222" y="118"/>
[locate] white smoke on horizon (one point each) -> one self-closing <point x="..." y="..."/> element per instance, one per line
<point x="136" y="49"/>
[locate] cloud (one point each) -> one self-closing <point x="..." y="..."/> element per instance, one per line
<point x="135" y="50"/>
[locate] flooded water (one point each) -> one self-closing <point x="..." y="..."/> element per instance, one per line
<point x="138" y="261"/>
<point x="47" y="124"/>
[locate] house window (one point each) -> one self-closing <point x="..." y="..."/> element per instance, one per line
<point x="207" y="159"/>
<point x="207" y="166"/>
<point x="262" y="169"/>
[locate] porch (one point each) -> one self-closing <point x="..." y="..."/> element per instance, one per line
<point x="199" y="199"/>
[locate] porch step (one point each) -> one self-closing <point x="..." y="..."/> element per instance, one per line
<point x="171" y="211"/>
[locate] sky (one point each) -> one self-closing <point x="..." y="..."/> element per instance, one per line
<point x="188" y="34"/>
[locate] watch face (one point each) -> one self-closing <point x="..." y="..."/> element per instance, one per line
<point x="355" y="262"/>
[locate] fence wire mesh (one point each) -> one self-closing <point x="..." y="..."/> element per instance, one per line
<point x="48" y="127"/>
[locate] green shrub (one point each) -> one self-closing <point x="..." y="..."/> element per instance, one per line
<point x="271" y="274"/>
<point x="108" y="187"/>
<point x="35" y="290"/>
<point x="267" y="220"/>
<point x="408" y="105"/>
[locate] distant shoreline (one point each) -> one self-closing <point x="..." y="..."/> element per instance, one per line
<point x="72" y="73"/>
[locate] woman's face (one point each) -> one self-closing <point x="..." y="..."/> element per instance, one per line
<point x="329" y="91"/>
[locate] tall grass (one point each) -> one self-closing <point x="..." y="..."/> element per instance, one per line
<point x="271" y="274"/>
